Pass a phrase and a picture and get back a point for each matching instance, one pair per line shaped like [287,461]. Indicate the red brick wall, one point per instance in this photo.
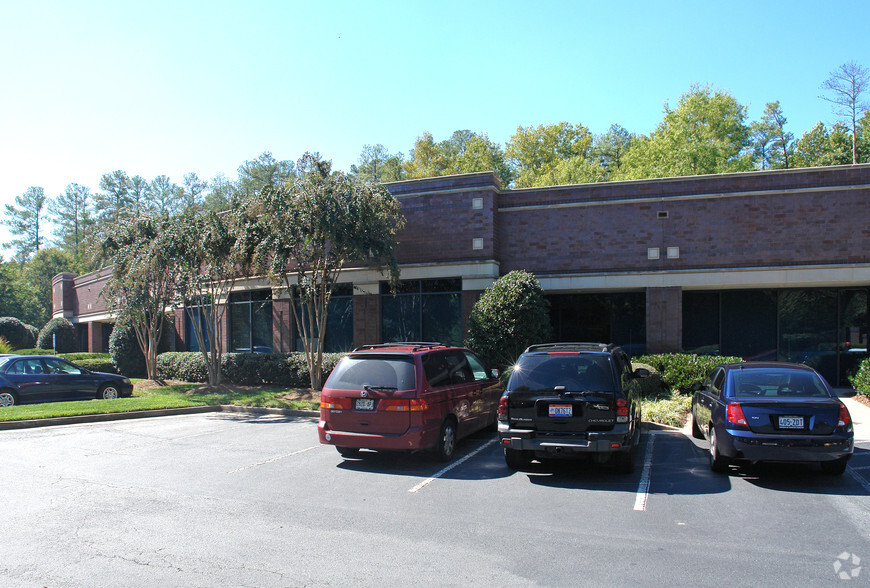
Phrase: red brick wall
[366,320]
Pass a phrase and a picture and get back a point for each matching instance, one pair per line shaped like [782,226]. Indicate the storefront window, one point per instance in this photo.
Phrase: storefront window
[251,321]
[605,318]
[423,310]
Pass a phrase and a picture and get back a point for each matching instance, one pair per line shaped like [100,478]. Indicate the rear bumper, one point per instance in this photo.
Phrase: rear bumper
[550,444]
[413,439]
[738,444]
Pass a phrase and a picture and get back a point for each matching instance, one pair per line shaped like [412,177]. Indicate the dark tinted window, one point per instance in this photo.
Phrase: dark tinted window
[356,371]
[581,372]
[436,369]
[777,383]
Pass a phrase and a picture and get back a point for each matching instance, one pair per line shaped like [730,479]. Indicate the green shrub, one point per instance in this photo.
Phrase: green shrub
[15,332]
[509,316]
[97,365]
[81,355]
[246,369]
[680,371]
[34,334]
[670,410]
[861,380]
[34,351]
[126,353]
[5,347]
[652,387]
[59,335]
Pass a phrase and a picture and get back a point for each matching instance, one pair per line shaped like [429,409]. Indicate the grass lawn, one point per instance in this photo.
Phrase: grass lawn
[175,396]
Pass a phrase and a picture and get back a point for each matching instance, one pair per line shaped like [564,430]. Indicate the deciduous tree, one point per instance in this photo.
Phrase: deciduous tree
[309,230]
[846,87]
[538,154]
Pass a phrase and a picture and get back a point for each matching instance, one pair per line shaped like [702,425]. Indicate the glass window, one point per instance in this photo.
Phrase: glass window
[436,369]
[58,366]
[423,310]
[608,318]
[701,323]
[575,372]
[777,383]
[480,373]
[853,332]
[251,321]
[749,324]
[808,329]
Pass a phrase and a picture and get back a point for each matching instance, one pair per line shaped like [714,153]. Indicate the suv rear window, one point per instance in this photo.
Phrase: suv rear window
[576,372]
[379,371]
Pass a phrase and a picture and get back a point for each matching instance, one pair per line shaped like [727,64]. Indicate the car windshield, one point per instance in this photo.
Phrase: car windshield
[575,372]
[386,373]
[777,383]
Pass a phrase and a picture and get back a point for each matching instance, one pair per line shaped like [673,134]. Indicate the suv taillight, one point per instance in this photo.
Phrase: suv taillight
[845,419]
[503,408]
[332,403]
[734,415]
[621,410]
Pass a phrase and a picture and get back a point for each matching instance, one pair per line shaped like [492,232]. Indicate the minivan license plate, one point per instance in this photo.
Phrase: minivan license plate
[560,410]
[791,422]
[365,404]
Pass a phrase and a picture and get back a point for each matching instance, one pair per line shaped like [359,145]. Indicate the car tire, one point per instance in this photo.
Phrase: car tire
[835,468]
[697,432]
[516,459]
[718,462]
[446,444]
[109,392]
[348,451]
[7,398]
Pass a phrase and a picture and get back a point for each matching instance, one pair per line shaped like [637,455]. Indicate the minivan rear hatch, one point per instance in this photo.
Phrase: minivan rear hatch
[370,393]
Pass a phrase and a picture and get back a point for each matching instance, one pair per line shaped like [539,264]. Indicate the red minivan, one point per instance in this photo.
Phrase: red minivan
[407,396]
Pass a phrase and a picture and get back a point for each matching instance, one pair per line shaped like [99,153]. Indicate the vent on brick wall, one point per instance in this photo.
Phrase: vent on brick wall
[673,252]
[662,214]
[652,253]
[477,203]
[477,243]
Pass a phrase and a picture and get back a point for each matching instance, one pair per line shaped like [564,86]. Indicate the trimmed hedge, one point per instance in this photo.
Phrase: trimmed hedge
[59,335]
[245,369]
[680,371]
[34,333]
[97,365]
[15,332]
[861,380]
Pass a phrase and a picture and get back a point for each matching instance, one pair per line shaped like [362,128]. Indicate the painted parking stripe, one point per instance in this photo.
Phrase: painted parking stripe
[274,459]
[643,485]
[858,478]
[428,481]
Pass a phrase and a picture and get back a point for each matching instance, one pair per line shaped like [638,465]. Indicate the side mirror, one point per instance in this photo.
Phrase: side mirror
[494,373]
[697,387]
[642,373]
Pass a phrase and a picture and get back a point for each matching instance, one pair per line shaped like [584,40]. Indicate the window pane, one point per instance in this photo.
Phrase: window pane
[261,332]
[749,324]
[400,318]
[808,329]
[442,318]
[339,325]
[853,332]
[701,323]
[240,327]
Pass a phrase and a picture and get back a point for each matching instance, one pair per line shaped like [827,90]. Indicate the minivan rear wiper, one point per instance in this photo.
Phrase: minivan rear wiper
[369,388]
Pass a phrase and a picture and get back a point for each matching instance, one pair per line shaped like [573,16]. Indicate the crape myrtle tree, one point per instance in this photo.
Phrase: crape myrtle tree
[142,285]
[307,230]
[211,255]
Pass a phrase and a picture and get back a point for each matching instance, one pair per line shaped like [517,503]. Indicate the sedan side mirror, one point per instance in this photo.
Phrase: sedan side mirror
[494,372]
[642,373]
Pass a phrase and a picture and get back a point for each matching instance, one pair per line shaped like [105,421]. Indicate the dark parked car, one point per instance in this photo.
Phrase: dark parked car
[407,396]
[779,412]
[567,400]
[45,378]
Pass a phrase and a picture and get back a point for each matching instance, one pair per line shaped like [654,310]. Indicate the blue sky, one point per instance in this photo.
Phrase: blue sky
[172,87]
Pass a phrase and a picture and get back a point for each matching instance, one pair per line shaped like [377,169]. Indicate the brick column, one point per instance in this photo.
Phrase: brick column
[282,321]
[664,320]
[95,337]
[469,298]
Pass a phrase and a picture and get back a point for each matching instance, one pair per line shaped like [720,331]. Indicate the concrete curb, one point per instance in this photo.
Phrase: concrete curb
[141,414]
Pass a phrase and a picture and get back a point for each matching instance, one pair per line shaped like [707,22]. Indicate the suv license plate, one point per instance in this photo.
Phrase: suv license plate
[791,422]
[364,404]
[560,410]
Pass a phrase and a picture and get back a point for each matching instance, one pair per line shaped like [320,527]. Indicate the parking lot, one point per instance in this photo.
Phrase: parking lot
[248,500]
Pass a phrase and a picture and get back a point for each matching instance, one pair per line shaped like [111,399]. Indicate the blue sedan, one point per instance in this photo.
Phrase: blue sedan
[771,412]
[45,378]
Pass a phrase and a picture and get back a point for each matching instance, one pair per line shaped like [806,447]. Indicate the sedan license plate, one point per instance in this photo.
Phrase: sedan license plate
[364,404]
[791,422]
[560,410]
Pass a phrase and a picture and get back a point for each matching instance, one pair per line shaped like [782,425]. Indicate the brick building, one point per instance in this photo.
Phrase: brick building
[772,265]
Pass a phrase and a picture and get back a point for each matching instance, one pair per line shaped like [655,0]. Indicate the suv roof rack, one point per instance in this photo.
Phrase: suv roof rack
[580,346]
[417,345]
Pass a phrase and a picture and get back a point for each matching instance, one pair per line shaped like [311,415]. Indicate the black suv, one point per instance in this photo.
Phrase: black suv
[566,400]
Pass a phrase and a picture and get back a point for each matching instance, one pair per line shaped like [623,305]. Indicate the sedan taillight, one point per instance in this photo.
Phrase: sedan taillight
[735,416]
[845,418]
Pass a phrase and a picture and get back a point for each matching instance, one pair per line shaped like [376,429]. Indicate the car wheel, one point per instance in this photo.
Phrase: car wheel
[446,445]
[7,398]
[348,451]
[108,392]
[718,462]
[697,432]
[835,468]
[517,459]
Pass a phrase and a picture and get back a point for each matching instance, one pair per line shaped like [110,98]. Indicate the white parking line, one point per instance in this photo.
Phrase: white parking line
[274,459]
[858,478]
[428,481]
[643,486]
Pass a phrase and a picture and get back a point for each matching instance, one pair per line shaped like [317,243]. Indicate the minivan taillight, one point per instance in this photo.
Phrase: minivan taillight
[503,408]
[402,405]
[734,415]
[332,403]
[845,419]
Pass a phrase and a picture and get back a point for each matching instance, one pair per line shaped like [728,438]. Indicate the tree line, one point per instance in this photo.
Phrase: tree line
[706,132]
